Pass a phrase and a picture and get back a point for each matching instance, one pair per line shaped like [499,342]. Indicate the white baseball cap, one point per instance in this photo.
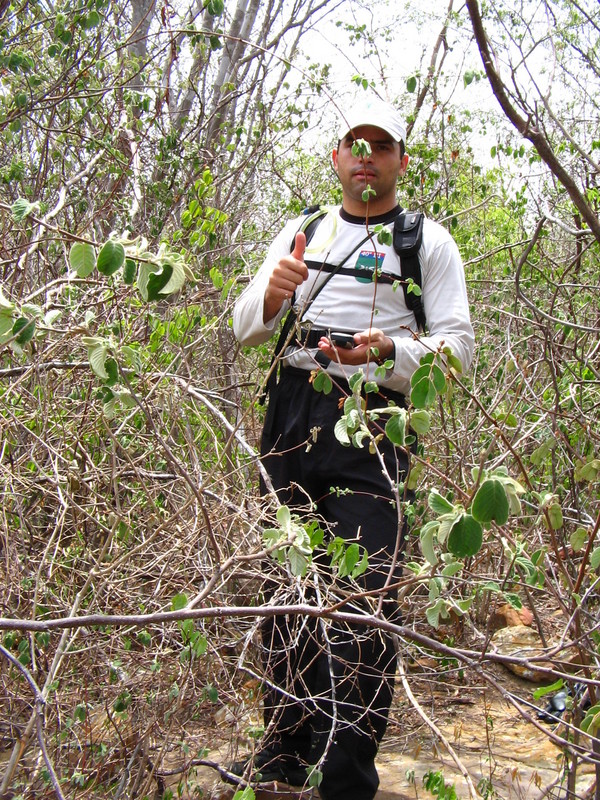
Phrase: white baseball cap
[373,112]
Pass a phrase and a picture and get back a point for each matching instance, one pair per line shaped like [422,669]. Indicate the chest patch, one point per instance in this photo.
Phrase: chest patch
[366,264]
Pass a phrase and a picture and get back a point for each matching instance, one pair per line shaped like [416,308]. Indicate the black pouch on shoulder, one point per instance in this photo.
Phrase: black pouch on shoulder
[408,232]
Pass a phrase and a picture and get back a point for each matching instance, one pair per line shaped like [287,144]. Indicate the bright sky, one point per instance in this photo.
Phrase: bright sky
[401,46]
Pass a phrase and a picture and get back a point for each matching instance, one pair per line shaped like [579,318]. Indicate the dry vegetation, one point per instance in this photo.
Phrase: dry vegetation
[131,550]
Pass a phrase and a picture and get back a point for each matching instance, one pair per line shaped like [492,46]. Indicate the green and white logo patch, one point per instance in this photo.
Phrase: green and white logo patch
[366,264]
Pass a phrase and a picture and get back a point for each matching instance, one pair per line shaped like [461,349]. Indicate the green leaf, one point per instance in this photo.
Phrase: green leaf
[491,503]
[341,432]
[6,306]
[244,794]
[421,373]
[454,362]
[514,600]
[359,436]
[91,20]
[199,644]
[178,602]
[157,281]
[112,370]
[438,378]
[284,517]
[362,565]
[97,356]
[298,562]
[555,517]
[22,208]
[427,538]
[31,309]
[110,257]
[595,558]
[216,277]
[315,776]
[423,393]
[179,273]
[578,539]
[82,258]
[411,84]
[129,271]
[355,382]
[145,270]
[491,586]
[420,421]
[413,288]
[434,612]
[23,330]
[542,691]
[123,701]
[6,326]
[92,341]
[466,537]
[587,471]
[214,7]
[452,569]
[446,522]
[144,638]
[395,429]
[322,382]
[213,695]
[384,234]
[416,471]
[438,504]
[361,147]
[349,560]
[540,453]
[591,721]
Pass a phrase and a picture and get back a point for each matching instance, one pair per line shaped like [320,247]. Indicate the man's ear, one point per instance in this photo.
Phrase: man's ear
[334,158]
[403,165]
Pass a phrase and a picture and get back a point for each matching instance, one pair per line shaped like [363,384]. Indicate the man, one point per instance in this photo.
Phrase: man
[330,686]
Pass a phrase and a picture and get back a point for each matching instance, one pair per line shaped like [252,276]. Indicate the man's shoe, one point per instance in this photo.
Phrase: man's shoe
[267,766]
[295,773]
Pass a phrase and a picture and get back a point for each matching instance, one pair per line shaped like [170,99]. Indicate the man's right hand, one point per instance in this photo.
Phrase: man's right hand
[289,273]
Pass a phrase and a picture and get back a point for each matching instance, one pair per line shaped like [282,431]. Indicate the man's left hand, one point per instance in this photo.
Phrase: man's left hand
[365,342]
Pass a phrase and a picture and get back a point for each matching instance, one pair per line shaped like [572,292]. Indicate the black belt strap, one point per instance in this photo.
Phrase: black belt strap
[366,275]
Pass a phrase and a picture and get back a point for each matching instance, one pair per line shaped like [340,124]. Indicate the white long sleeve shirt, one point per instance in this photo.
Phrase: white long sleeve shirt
[353,302]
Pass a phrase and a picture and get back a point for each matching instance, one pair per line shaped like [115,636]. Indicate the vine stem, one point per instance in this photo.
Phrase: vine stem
[37,719]
[434,728]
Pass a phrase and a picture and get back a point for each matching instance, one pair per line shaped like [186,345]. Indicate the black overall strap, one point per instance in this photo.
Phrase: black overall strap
[408,234]
[292,317]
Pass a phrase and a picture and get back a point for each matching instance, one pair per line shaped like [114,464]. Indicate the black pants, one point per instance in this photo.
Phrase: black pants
[334,682]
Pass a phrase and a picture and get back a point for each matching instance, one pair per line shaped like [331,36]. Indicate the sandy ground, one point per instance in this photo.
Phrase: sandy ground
[505,756]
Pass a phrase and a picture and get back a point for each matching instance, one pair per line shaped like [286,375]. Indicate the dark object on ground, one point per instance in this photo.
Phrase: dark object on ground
[558,703]
[267,766]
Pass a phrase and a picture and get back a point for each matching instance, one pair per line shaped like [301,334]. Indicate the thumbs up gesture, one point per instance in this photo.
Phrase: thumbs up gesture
[299,246]
[289,273]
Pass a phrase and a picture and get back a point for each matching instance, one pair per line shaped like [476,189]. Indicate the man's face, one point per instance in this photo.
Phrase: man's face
[380,170]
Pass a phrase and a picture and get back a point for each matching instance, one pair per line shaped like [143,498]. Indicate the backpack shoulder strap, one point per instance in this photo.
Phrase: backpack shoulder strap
[313,216]
[408,234]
